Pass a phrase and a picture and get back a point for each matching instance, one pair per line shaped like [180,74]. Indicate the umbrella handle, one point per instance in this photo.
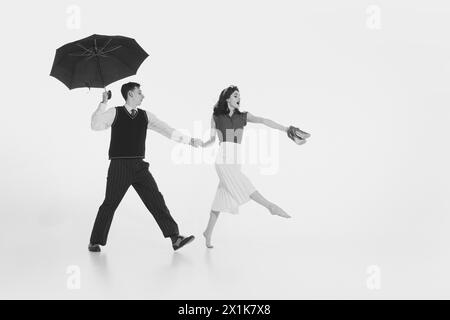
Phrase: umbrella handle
[101,74]
[109,93]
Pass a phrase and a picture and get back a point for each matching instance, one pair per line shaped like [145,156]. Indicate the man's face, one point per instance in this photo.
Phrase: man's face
[136,96]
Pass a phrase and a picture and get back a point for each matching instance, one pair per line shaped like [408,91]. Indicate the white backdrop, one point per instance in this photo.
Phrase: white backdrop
[368,192]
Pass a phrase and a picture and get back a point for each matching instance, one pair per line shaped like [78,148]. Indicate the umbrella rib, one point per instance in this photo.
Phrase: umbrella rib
[112,49]
[101,49]
[95,55]
[87,52]
[83,54]
[84,48]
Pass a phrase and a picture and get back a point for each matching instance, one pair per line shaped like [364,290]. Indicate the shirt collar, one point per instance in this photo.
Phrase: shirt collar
[129,108]
[232,115]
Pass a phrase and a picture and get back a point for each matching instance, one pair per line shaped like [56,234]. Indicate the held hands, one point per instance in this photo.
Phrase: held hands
[196,142]
[199,143]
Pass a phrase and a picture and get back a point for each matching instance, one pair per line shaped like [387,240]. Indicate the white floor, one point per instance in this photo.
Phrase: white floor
[246,263]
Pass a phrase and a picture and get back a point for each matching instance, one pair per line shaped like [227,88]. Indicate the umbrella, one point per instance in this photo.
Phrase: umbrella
[97,61]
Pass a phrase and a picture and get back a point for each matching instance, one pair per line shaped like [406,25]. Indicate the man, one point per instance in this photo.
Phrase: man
[129,126]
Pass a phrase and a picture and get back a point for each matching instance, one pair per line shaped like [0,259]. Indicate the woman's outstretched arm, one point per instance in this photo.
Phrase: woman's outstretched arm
[267,122]
[212,135]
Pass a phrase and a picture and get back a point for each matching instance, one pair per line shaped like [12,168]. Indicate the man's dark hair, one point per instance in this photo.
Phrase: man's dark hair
[127,87]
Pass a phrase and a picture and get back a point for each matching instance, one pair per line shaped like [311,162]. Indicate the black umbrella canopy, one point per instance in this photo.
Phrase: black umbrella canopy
[97,61]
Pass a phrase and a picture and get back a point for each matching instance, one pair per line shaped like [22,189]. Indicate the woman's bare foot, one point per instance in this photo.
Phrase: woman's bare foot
[276,210]
[208,240]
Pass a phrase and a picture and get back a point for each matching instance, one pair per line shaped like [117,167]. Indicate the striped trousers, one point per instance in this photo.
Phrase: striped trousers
[121,174]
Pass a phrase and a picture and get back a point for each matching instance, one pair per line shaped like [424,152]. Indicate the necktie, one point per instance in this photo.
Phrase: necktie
[133,112]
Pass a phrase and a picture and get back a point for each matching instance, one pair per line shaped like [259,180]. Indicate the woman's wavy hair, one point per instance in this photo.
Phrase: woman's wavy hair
[221,106]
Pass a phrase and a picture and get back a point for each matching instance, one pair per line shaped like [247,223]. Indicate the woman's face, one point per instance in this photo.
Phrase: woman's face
[234,100]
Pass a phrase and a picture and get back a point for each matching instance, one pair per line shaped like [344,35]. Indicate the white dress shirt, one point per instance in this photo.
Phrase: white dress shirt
[102,119]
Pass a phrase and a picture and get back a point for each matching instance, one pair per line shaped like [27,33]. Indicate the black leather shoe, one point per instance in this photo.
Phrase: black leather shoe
[181,241]
[94,247]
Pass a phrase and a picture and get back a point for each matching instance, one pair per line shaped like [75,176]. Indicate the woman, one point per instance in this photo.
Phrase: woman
[234,187]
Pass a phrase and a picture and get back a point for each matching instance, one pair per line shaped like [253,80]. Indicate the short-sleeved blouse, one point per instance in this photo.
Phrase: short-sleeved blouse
[231,129]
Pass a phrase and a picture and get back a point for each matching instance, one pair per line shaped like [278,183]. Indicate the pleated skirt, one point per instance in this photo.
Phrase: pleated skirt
[234,188]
